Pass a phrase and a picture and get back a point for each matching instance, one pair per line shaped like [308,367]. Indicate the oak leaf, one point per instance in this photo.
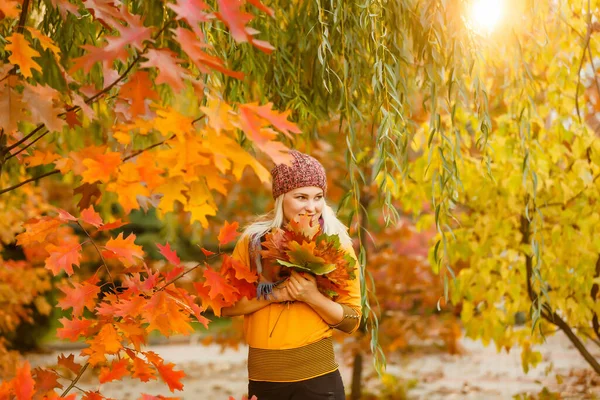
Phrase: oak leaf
[116,371]
[36,230]
[192,11]
[46,380]
[22,54]
[219,114]
[167,63]
[171,377]
[45,41]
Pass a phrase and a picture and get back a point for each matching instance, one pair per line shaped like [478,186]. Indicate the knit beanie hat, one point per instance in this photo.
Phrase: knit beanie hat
[304,171]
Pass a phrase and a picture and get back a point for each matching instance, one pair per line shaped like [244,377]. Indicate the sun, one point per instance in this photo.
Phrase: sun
[485,15]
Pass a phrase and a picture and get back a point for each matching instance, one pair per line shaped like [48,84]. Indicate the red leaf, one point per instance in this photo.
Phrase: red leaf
[241,270]
[234,18]
[170,72]
[72,119]
[228,233]
[92,396]
[90,216]
[125,249]
[172,378]
[116,371]
[169,254]
[69,362]
[174,273]
[23,383]
[63,258]
[142,370]
[72,329]
[78,297]
[207,253]
[65,216]
[219,286]
[191,11]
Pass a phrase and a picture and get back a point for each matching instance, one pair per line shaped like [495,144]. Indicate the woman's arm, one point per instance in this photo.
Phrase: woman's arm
[248,306]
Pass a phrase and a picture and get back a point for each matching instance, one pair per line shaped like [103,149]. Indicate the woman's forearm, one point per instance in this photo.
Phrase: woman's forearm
[245,306]
[329,310]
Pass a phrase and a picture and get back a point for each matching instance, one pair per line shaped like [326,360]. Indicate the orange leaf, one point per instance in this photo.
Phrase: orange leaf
[90,216]
[36,230]
[65,216]
[92,396]
[125,249]
[169,254]
[78,297]
[63,258]
[8,9]
[172,378]
[241,270]
[278,120]
[101,167]
[40,158]
[116,371]
[72,329]
[228,233]
[45,41]
[138,89]
[191,11]
[69,362]
[23,383]
[207,253]
[22,54]
[113,225]
[46,380]
[219,286]
[142,370]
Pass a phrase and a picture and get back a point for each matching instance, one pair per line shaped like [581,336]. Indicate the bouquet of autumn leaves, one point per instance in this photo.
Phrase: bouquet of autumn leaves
[303,246]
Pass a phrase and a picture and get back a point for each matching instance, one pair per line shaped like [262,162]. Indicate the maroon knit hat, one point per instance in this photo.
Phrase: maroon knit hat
[304,171]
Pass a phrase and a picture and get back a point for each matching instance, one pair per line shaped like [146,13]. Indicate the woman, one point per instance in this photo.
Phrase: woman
[289,332]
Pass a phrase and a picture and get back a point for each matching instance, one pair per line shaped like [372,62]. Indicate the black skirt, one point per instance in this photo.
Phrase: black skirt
[325,387]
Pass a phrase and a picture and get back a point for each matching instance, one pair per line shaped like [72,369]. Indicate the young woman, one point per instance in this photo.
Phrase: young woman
[289,330]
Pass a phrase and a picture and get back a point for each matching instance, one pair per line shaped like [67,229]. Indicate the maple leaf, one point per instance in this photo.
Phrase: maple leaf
[64,6]
[63,258]
[215,304]
[107,341]
[234,18]
[169,253]
[40,100]
[46,380]
[40,158]
[90,216]
[69,362]
[72,119]
[88,192]
[125,249]
[228,233]
[167,63]
[219,114]
[22,54]
[11,104]
[101,167]
[23,383]
[191,11]
[133,332]
[112,225]
[172,191]
[78,297]
[65,216]
[219,286]
[137,90]
[142,370]
[159,397]
[45,41]
[278,120]
[8,9]
[106,11]
[74,328]
[36,230]
[171,377]
[92,396]
[240,270]
[116,371]
[163,313]
[207,253]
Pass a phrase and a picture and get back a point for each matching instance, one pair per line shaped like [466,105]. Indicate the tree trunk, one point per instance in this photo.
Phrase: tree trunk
[357,376]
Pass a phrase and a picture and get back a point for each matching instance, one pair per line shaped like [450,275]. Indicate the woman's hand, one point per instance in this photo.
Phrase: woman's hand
[281,294]
[302,287]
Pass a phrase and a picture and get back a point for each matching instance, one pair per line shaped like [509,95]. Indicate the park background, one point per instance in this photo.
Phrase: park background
[460,140]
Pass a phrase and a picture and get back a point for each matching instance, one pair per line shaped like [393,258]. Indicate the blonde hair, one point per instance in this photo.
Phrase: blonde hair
[275,219]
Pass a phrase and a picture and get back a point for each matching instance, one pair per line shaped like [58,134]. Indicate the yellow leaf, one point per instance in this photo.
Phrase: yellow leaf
[22,54]
[45,41]
[219,115]
[172,191]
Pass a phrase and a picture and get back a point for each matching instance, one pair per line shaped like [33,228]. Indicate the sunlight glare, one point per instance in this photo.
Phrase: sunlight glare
[486,14]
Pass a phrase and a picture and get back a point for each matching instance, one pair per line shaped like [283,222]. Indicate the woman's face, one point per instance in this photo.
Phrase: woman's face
[303,201]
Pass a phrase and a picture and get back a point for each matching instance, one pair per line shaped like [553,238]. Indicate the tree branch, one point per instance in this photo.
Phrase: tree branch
[72,385]
[23,16]
[35,178]
[26,147]
[594,293]
[136,153]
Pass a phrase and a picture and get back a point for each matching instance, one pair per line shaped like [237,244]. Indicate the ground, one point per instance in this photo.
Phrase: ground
[479,373]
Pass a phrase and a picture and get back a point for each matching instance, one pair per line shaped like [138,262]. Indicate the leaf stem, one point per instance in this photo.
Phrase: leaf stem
[74,382]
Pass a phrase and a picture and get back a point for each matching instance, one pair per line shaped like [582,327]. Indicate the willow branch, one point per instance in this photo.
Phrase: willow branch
[35,178]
